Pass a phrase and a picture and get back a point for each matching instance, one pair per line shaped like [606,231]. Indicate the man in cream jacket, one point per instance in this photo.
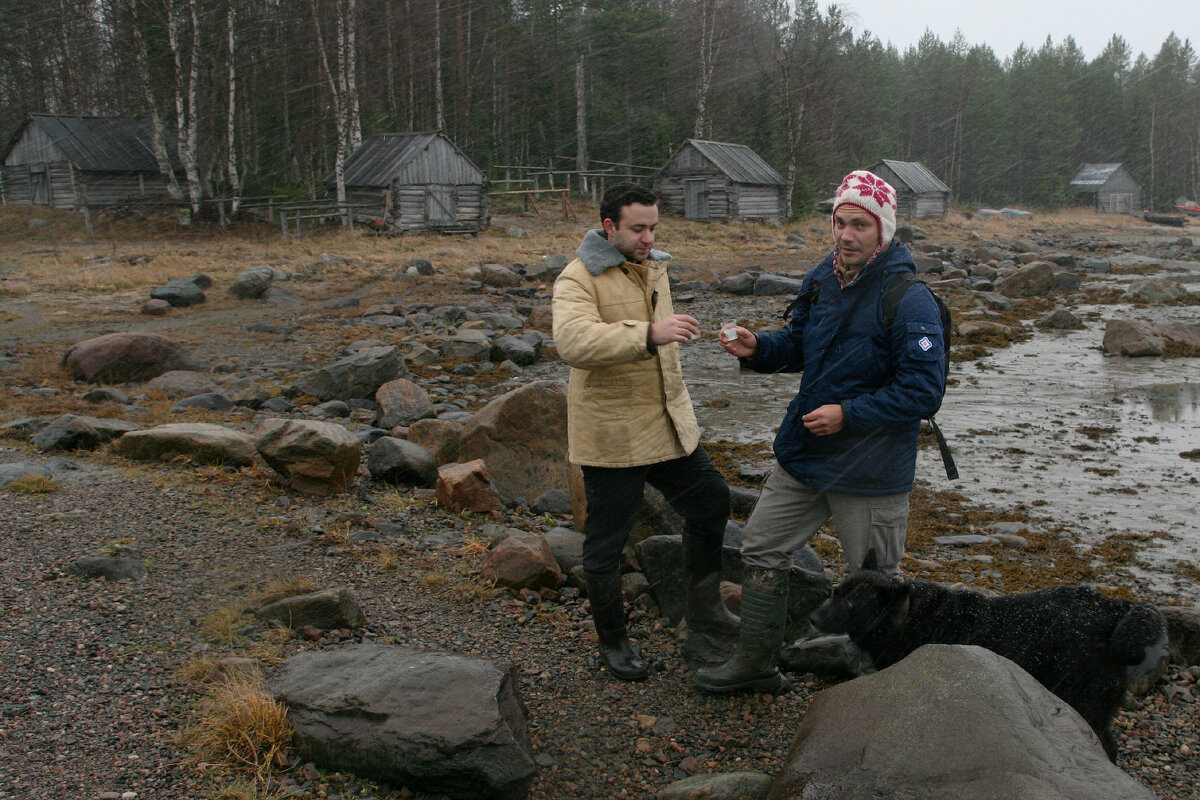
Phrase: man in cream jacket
[630,420]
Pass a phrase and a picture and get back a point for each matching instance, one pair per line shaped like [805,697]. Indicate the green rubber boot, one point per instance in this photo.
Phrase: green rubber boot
[755,665]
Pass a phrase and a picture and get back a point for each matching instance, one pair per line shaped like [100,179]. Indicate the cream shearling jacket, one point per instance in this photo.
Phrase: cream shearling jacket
[626,406]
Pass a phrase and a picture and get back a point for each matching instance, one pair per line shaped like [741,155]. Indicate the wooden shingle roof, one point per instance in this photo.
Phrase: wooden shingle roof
[96,144]
[739,162]
[915,176]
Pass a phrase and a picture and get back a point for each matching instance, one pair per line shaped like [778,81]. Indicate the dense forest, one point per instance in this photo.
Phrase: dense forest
[265,96]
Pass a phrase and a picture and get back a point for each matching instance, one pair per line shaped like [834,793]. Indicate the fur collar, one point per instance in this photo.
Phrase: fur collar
[598,254]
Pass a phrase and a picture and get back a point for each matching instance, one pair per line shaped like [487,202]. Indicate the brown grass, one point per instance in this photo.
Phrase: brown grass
[240,725]
[282,588]
[32,484]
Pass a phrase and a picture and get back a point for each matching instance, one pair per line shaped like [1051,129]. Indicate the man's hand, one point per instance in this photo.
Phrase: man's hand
[743,346]
[825,420]
[675,328]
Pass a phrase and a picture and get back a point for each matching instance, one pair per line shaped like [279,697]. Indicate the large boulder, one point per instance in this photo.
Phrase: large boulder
[126,357]
[401,402]
[522,437]
[252,283]
[357,376]
[1157,290]
[318,458]
[948,721]
[1033,280]
[202,442]
[432,722]
[179,293]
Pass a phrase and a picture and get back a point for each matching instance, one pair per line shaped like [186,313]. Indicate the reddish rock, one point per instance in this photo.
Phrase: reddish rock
[1127,337]
[522,561]
[466,487]
[522,435]
[126,357]
[541,317]
[401,402]
[156,307]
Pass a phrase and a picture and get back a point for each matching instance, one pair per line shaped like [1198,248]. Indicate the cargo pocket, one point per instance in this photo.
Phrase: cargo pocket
[889,524]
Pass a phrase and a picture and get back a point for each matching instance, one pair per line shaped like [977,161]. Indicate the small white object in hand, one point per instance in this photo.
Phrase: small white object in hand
[729,331]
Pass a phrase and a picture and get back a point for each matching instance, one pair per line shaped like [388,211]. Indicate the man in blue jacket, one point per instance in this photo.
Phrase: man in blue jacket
[847,447]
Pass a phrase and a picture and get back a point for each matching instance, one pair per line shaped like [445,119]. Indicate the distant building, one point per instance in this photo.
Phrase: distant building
[720,181]
[419,182]
[919,193]
[1107,187]
[73,162]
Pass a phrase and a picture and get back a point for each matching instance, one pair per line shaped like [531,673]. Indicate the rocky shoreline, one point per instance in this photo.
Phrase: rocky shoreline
[96,665]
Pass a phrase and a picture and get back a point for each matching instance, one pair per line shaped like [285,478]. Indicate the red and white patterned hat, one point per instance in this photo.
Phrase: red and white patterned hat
[874,195]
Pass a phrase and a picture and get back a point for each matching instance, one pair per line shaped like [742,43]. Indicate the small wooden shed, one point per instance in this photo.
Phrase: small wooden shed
[720,181]
[919,193]
[419,181]
[1107,187]
[74,162]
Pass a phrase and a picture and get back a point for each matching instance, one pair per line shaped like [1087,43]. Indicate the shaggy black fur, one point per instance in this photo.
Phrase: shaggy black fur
[1078,643]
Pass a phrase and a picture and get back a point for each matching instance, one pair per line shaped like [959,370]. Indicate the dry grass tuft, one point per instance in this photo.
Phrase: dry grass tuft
[282,588]
[241,725]
[33,484]
[221,626]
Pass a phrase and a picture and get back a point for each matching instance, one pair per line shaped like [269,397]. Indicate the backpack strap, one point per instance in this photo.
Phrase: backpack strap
[891,306]
[807,297]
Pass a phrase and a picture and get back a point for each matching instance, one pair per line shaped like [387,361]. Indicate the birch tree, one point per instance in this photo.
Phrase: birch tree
[141,56]
[235,183]
[187,115]
[343,86]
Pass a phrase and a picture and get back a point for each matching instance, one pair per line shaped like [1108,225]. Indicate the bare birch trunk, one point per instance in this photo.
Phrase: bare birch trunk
[185,99]
[710,48]
[235,181]
[412,67]
[438,101]
[339,103]
[581,151]
[350,69]
[159,129]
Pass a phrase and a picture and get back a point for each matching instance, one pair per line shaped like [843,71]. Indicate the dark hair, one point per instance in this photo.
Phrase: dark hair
[621,195]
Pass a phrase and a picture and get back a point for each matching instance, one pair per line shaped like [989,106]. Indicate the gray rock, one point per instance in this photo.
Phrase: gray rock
[516,349]
[106,394]
[740,284]
[566,545]
[108,568]
[1060,319]
[1157,291]
[1099,266]
[401,402]
[431,722]
[252,283]
[398,461]
[327,609]
[202,442]
[768,285]
[473,345]
[274,296]
[278,405]
[180,292]
[552,501]
[25,427]
[422,266]
[1132,338]
[209,401]
[181,383]
[499,275]
[73,432]
[948,721]
[359,375]
[318,458]
[156,308]
[331,409]
[21,469]
[1033,280]
[718,786]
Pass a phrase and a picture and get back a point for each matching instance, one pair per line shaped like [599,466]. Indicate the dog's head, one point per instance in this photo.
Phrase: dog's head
[862,603]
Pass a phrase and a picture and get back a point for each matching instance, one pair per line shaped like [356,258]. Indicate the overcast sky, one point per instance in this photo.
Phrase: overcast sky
[1005,24]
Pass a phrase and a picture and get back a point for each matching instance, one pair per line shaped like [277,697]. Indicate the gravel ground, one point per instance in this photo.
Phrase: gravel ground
[92,695]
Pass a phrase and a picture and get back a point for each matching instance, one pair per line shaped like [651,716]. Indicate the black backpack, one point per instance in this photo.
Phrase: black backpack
[891,305]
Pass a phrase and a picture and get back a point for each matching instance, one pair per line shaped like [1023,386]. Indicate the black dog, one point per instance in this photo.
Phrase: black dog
[1078,643]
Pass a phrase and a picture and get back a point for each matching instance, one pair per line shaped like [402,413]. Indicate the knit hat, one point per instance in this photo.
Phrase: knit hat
[874,195]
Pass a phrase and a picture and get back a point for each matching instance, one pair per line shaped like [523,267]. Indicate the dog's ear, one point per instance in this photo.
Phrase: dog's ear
[870,560]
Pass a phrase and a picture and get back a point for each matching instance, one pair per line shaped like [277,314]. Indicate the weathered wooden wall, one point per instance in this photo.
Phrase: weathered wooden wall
[60,185]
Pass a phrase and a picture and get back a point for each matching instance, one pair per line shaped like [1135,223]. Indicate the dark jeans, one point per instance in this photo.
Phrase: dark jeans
[692,485]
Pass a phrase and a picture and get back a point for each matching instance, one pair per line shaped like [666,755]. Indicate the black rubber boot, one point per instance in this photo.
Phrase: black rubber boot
[755,665]
[608,612]
[706,611]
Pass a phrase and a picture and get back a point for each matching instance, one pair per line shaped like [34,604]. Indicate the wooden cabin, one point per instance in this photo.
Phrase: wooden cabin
[419,182]
[919,193]
[76,162]
[720,181]
[1108,188]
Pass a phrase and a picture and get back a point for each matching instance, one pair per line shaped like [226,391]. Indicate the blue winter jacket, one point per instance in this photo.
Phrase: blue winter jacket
[886,381]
